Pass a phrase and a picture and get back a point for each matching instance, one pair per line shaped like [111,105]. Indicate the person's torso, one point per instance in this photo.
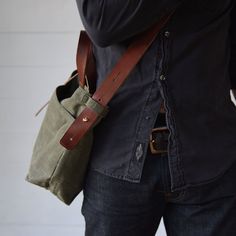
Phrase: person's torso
[187,67]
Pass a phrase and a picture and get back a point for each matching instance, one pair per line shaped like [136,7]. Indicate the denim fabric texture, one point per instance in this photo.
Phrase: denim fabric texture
[190,65]
[119,208]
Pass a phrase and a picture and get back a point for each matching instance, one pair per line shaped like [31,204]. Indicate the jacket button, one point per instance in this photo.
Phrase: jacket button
[167,34]
[162,77]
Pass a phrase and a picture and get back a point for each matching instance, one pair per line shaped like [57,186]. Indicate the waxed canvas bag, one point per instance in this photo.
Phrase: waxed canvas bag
[52,165]
[61,150]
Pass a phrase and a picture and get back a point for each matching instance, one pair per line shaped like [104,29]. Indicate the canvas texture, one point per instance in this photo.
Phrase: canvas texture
[52,166]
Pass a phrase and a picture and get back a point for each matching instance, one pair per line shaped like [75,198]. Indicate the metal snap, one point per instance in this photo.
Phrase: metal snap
[162,77]
[85,119]
[167,34]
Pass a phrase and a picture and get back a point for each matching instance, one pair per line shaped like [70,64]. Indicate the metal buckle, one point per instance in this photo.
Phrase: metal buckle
[153,140]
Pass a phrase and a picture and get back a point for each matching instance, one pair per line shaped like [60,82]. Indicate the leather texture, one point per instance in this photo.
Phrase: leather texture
[111,84]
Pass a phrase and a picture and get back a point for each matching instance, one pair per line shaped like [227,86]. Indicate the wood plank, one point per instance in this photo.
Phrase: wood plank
[24,83]
[18,116]
[50,50]
[39,230]
[39,16]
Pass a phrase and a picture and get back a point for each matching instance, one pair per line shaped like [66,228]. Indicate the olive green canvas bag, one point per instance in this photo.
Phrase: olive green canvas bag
[62,147]
[53,166]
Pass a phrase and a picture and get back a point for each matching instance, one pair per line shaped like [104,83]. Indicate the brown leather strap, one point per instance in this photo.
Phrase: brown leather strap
[126,63]
[111,84]
[84,51]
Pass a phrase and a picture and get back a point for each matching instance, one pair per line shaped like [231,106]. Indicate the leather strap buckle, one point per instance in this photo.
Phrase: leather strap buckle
[158,142]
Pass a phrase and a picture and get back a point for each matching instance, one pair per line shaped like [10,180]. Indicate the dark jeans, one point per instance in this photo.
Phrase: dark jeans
[113,207]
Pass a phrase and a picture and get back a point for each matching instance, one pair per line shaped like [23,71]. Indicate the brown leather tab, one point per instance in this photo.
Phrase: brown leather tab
[112,82]
[80,126]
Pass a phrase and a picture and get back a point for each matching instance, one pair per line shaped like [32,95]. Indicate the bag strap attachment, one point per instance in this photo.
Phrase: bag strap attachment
[85,62]
[111,84]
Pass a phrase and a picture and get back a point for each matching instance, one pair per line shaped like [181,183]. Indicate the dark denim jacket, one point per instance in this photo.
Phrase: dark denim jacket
[191,65]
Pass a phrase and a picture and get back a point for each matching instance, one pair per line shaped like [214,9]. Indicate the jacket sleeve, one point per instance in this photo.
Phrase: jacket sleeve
[111,21]
[232,68]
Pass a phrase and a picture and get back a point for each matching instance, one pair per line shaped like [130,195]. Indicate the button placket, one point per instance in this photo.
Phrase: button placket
[167,34]
[162,77]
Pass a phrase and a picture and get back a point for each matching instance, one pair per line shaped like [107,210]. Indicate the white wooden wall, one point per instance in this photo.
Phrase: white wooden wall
[38,42]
